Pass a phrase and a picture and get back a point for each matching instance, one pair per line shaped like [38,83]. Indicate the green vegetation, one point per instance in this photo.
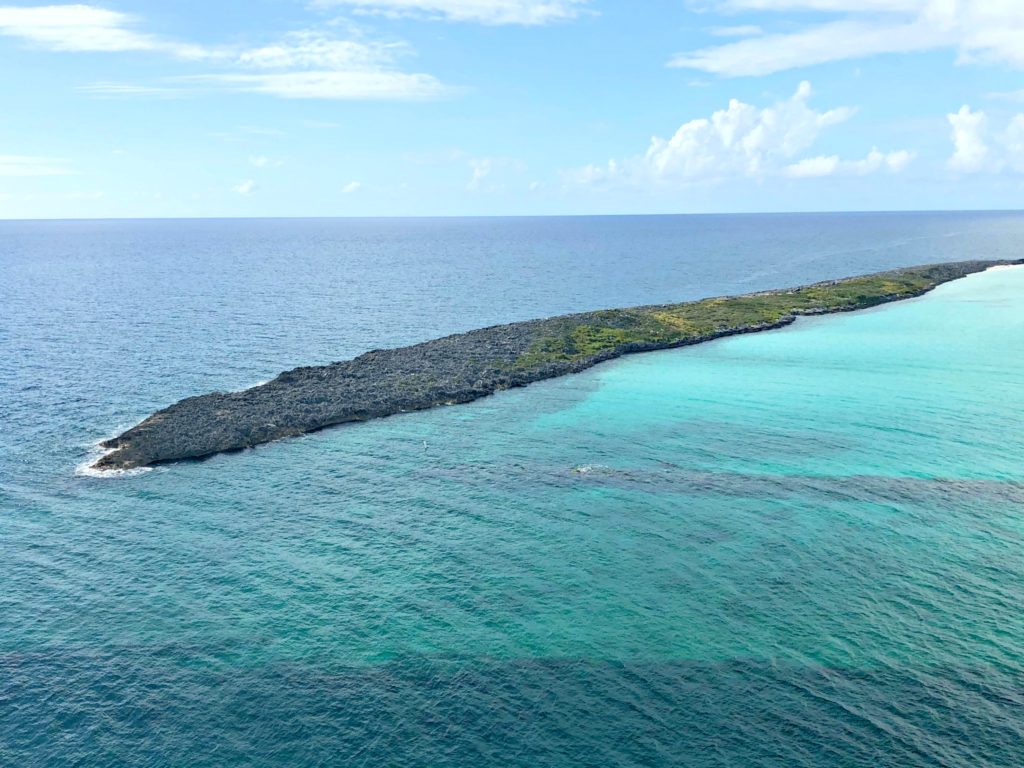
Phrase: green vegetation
[580,337]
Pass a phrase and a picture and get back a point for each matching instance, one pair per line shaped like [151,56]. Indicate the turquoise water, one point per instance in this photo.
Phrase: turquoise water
[795,548]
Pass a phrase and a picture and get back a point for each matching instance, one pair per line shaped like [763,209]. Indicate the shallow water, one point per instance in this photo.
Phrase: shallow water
[796,548]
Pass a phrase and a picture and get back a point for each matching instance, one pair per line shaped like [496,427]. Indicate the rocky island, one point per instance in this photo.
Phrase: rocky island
[467,366]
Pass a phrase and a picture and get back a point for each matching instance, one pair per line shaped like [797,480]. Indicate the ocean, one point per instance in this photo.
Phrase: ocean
[797,548]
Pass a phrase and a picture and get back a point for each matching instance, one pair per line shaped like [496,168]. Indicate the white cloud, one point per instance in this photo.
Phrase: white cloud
[262,161]
[742,138]
[314,50]
[1013,141]
[352,186]
[246,187]
[522,12]
[24,165]
[978,148]
[313,65]
[303,65]
[481,168]
[978,30]
[894,162]
[741,30]
[813,167]
[493,173]
[970,150]
[891,6]
[364,86]
[86,28]
[73,28]
[832,165]
[741,141]
[112,89]
[828,42]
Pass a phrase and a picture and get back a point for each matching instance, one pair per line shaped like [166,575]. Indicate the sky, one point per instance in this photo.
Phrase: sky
[135,108]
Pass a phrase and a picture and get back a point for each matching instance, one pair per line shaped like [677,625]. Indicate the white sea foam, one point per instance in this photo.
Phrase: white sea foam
[1004,266]
[96,451]
[586,469]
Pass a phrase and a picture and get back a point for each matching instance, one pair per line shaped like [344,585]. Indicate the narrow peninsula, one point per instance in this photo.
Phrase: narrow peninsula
[467,366]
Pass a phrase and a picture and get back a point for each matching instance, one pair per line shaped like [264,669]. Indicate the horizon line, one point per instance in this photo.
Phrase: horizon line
[57,219]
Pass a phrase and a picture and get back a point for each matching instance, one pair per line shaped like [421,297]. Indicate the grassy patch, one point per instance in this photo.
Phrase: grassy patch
[612,331]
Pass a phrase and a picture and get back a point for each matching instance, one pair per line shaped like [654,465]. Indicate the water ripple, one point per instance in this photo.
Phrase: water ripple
[797,549]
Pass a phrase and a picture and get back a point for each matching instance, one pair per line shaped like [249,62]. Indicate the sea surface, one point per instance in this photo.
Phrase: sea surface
[796,548]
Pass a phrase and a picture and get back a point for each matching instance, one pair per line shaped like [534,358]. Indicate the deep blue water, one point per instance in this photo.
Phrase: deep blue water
[800,548]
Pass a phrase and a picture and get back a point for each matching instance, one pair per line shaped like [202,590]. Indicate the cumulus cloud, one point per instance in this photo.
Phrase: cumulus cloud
[970,150]
[494,12]
[1013,141]
[978,30]
[352,186]
[894,162]
[742,138]
[832,165]
[246,187]
[813,167]
[978,147]
[746,141]
[26,165]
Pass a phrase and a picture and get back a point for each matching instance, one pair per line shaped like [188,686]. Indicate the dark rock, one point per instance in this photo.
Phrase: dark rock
[454,369]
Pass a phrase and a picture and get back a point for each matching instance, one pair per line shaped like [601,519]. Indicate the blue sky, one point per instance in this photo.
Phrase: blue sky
[475,107]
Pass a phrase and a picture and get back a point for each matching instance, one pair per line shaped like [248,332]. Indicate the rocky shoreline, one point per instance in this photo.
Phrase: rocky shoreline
[468,366]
